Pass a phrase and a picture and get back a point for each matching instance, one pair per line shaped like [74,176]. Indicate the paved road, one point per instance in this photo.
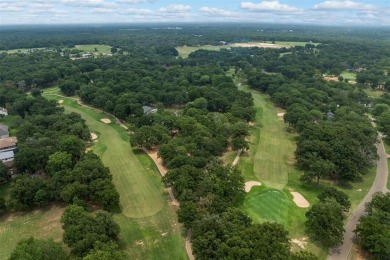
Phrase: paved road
[342,252]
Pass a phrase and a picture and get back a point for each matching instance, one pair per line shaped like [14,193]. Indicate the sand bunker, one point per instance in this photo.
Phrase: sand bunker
[300,242]
[158,161]
[105,120]
[93,136]
[281,114]
[299,200]
[250,184]
[60,101]
[329,78]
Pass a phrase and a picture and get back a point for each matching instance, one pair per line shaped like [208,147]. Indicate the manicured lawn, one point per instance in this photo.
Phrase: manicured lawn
[149,228]
[91,48]
[271,147]
[270,160]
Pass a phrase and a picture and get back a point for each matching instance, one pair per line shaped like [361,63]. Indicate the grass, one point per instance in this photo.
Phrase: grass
[103,49]
[149,229]
[271,161]
[23,50]
[184,51]
[351,76]
[271,147]
[41,223]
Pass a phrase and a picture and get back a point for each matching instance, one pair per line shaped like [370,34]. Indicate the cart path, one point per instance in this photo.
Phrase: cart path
[342,252]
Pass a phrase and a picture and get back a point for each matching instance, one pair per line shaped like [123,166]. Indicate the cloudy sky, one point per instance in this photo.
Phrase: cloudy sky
[325,12]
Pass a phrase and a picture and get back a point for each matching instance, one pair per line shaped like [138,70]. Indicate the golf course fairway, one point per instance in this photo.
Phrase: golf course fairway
[149,229]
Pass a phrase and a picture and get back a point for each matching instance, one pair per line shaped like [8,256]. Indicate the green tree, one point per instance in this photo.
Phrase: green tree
[325,222]
[59,161]
[3,172]
[341,197]
[373,229]
[32,249]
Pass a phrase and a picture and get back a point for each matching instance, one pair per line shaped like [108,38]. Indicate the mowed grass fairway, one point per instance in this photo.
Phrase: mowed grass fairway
[149,229]
[270,160]
[271,148]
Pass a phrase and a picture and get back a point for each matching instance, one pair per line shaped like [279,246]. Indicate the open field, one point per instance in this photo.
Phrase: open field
[103,49]
[271,153]
[26,50]
[184,51]
[351,76]
[41,223]
[149,229]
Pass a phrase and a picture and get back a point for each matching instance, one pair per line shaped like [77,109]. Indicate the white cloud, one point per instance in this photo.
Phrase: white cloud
[268,6]
[176,9]
[217,12]
[132,1]
[343,5]
[137,11]
[88,3]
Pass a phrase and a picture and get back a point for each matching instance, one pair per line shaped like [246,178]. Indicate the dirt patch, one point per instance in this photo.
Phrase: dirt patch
[299,200]
[158,161]
[256,44]
[251,123]
[93,136]
[139,243]
[105,120]
[60,101]
[237,159]
[250,184]
[328,78]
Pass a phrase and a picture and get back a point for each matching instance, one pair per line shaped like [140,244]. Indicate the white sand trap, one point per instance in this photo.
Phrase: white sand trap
[93,136]
[105,120]
[251,123]
[281,114]
[60,101]
[299,200]
[250,184]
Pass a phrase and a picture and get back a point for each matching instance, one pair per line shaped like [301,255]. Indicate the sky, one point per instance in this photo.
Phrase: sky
[321,12]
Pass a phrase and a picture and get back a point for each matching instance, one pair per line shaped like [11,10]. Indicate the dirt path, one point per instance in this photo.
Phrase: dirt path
[342,252]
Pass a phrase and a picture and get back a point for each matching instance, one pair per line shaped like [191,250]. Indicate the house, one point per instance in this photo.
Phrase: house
[3,111]
[148,109]
[7,148]
[330,115]
[3,131]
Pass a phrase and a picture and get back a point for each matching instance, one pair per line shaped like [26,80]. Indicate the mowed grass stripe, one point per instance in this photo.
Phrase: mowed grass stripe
[139,194]
[274,149]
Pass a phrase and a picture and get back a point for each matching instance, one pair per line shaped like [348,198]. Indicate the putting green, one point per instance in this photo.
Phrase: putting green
[271,150]
[263,204]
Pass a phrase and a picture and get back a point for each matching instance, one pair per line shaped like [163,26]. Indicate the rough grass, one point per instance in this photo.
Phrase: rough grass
[23,50]
[104,49]
[41,223]
[351,76]
[149,229]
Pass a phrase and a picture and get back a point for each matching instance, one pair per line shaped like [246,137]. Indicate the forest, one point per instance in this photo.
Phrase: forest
[200,115]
